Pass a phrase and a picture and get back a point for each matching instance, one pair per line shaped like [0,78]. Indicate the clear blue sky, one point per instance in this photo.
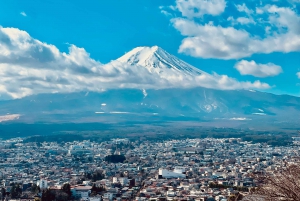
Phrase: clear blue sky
[108,29]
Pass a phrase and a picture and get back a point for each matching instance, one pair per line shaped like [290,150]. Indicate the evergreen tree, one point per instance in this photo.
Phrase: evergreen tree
[16,191]
[3,193]
[67,189]
[35,189]
[48,195]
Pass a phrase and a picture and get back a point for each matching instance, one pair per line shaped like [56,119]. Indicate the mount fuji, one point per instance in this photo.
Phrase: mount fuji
[171,102]
[157,60]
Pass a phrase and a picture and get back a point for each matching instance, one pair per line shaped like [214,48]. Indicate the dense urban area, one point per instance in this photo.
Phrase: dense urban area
[204,169]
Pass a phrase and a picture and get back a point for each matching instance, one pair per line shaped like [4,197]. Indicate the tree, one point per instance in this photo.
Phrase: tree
[35,189]
[95,176]
[115,158]
[283,185]
[235,197]
[3,193]
[94,190]
[57,195]
[66,188]
[61,196]
[16,191]
[48,195]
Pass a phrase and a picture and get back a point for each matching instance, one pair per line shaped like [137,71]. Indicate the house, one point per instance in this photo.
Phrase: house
[108,196]
[81,191]
[163,173]
[122,180]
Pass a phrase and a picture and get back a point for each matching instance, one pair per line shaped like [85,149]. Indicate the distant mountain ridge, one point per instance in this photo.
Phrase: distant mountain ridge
[197,103]
[148,105]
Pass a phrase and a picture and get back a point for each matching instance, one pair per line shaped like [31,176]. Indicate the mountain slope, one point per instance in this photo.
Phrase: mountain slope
[140,105]
[157,60]
[197,103]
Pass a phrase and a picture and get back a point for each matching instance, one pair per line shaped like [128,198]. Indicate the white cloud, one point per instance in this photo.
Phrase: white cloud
[210,40]
[259,11]
[23,13]
[166,13]
[244,8]
[245,20]
[241,20]
[163,10]
[294,1]
[29,66]
[298,75]
[257,70]
[227,83]
[198,8]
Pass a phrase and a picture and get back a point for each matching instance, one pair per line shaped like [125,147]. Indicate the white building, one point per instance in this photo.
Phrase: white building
[94,199]
[115,180]
[177,173]
[119,141]
[180,170]
[108,196]
[43,184]
[81,191]
[122,180]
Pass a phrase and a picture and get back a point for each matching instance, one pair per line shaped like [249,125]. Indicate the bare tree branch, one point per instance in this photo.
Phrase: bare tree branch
[282,185]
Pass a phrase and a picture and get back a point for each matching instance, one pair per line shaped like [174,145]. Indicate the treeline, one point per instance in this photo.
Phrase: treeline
[274,140]
[270,139]
[64,194]
[115,158]
[99,133]
[96,190]
[16,191]
[11,130]
[95,176]
[55,138]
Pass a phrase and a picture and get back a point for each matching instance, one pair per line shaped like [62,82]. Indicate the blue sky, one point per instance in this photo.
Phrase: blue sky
[245,40]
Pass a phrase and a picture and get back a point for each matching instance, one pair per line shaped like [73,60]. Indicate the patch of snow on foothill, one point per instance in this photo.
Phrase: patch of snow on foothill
[145,93]
[259,113]
[9,117]
[239,119]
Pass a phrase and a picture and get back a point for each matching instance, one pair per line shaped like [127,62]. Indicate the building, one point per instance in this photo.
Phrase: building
[122,180]
[177,173]
[81,191]
[43,184]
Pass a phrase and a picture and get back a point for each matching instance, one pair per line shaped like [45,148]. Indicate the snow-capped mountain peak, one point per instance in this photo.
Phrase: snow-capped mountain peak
[155,59]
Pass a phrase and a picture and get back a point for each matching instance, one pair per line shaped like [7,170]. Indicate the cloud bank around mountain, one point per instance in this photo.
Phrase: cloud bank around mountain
[29,66]
[264,28]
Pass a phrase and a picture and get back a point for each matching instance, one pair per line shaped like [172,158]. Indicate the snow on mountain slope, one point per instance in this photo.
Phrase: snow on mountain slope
[157,60]
[173,72]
